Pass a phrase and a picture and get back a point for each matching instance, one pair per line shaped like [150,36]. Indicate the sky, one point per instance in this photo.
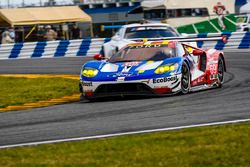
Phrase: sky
[29,2]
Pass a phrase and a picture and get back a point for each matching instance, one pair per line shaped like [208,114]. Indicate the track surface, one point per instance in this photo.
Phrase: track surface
[231,102]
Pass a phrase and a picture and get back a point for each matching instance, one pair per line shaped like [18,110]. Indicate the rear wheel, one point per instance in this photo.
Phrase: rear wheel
[221,71]
[185,79]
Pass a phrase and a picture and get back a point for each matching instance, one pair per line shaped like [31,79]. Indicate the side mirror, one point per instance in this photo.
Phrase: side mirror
[99,57]
[197,52]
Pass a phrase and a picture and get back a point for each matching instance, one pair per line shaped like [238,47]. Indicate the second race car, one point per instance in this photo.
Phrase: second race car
[132,32]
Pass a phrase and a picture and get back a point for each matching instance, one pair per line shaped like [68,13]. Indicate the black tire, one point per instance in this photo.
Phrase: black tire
[246,29]
[221,72]
[185,78]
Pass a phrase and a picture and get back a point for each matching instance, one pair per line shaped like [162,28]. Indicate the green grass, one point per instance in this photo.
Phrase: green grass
[17,91]
[217,146]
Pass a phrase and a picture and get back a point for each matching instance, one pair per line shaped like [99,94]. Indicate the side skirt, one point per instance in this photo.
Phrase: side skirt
[204,87]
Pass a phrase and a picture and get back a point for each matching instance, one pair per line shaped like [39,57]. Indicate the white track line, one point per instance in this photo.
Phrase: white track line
[214,27]
[195,29]
[231,21]
[122,134]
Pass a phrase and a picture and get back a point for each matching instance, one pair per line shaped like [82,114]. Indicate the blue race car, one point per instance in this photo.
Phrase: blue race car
[152,68]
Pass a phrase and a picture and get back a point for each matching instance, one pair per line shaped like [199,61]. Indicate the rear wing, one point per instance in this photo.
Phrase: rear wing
[183,39]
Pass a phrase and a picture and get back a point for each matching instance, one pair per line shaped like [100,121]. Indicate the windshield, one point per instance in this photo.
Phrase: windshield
[140,53]
[149,32]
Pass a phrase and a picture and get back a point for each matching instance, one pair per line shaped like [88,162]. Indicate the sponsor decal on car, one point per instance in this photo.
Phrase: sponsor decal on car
[87,84]
[213,62]
[126,69]
[213,68]
[121,79]
[133,63]
[198,81]
[122,74]
[165,79]
[213,76]
[146,46]
[201,79]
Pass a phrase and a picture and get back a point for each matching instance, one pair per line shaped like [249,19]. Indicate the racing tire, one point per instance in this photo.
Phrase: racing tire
[221,72]
[185,78]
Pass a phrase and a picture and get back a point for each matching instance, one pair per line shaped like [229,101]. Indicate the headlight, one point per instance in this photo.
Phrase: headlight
[89,72]
[166,68]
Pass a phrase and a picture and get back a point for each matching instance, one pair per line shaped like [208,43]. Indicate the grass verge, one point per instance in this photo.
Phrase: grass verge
[20,90]
[215,146]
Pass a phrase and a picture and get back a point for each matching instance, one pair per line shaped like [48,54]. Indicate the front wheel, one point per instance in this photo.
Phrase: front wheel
[185,79]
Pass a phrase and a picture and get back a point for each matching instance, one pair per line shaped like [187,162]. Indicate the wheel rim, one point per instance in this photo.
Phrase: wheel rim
[221,71]
[185,78]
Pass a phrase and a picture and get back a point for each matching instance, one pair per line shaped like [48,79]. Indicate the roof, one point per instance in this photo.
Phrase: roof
[110,10]
[42,15]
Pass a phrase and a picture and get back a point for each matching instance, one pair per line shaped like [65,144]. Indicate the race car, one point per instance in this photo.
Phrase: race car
[132,32]
[153,68]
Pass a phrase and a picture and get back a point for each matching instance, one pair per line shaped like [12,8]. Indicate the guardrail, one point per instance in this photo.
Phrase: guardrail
[90,47]
[64,48]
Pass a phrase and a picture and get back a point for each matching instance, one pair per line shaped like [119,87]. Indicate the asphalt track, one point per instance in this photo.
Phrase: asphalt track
[232,102]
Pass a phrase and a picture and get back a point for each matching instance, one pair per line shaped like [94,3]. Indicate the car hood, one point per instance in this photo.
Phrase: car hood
[128,71]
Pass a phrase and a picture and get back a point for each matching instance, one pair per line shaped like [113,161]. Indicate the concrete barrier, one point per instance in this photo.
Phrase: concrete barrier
[90,47]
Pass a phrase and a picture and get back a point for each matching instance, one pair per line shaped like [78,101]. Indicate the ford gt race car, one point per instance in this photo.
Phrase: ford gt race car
[153,68]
